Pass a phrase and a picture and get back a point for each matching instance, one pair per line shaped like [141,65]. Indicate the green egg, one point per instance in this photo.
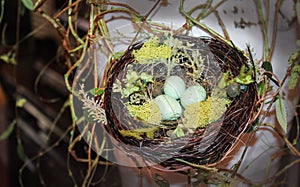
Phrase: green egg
[170,108]
[193,94]
[174,87]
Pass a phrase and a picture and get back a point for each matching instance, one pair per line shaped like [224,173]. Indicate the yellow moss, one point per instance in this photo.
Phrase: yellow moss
[130,133]
[202,113]
[150,132]
[137,133]
[148,112]
[152,50]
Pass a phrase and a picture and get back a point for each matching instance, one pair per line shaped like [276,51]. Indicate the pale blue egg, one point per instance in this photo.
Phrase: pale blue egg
[169,107]
[174,87]
[193,94]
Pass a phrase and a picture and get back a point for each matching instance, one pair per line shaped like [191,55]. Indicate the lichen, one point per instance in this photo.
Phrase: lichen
[152,50]
[194,61]
[196,64]
[202,113]
[131,133]
[148,112]
[137,133]
[133,83]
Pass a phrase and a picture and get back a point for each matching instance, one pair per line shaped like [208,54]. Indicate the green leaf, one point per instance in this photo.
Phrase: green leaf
[261,87]
[178,131]
[8,131]
[146,78]
[20,151]
[268,67]
[281,114]
[97,91]
[245,76]
[245,80]
[20,102]
[127,91]
[9,58]
[28,4]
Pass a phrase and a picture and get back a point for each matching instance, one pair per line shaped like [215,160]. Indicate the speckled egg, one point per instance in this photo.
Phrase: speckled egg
[192,95]
[174,87]
[169,107]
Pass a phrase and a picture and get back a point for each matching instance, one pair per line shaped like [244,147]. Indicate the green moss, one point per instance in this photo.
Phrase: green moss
[137,133]
[245,77]
[150,134]
[148,112]
[131,133]
[202,113]
[152,50]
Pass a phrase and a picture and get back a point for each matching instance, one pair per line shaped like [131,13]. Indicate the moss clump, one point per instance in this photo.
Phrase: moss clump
[132,134]
[148,112]
[137,133]
[152,50]
[202,113]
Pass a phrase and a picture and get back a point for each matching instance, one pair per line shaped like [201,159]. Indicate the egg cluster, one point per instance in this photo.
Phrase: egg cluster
[176,97]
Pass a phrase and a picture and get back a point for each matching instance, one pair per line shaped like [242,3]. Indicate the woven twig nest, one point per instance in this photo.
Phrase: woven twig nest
[135,80]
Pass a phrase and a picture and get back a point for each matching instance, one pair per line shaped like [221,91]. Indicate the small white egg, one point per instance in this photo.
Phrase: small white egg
[174,87]
[170,108]
[193,94]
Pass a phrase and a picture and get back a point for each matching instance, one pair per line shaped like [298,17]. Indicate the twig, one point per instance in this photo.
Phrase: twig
[264,29]
[274,36]
[202,26]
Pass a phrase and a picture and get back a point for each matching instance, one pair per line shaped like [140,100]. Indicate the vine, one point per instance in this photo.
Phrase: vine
[76,46]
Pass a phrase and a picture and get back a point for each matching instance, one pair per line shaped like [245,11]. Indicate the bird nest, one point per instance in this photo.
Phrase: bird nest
[180,98]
